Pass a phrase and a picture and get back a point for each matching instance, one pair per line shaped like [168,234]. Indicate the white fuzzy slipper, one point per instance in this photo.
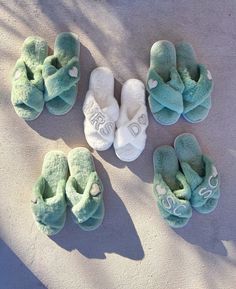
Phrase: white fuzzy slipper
[130,137]
[101,109]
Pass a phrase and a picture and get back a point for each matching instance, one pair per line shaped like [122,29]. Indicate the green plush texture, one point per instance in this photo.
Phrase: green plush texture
[200,173]
[87,208]
[165,99]
[49,202]
[170,188]
[61,87]
[27,95]
[198,85]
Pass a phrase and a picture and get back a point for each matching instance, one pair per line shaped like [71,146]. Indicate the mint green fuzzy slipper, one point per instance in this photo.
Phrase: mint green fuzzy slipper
[164,84]
[49,203]
[61,73]
[170,188]
[200,173]
[84,190]
[198,84]
[27,94]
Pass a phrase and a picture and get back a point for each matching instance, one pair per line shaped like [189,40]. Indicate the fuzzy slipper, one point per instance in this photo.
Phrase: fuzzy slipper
[61,73]
[27,94]
[170,188]
[130,136]
[164,84]
[84,190]
[101,109]
[49,203]
[200,173]
[198,84]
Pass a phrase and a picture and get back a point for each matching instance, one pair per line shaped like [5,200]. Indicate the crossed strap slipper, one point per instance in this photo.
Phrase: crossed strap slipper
[100,109]
[27,95]
[198,84]
[130,136]
[84,190]
[61,73]
[164,84]
[170,188]
[200,173]
[49,203]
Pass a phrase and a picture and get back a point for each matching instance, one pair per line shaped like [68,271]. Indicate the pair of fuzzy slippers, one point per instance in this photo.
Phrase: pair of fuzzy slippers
[105,124]
[82,191]
[178,84]
[40,79]
[196,186]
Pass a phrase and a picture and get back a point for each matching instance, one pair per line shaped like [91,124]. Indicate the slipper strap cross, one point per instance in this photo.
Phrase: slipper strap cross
[196,92]
[26,88]
[99,120]
[132,131]
[203,189]
[165,95]
[49,212]
[59,81]
[173,203]
[85,205]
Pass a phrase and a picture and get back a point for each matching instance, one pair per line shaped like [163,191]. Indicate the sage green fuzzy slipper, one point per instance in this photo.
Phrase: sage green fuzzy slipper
[199,172]
[49,203]
[84,190]
[61,73]
[27,95]
[164,84]
[170,188]
[198,84]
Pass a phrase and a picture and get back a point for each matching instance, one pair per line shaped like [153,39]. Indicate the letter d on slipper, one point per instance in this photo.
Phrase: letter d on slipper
[130,137]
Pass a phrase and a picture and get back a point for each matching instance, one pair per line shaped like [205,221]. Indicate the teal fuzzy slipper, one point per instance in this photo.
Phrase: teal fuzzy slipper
[198,84]
[164,84]
[200,173]
[27,94]
[84,190]
[170,188]
[61,73]
[49,203]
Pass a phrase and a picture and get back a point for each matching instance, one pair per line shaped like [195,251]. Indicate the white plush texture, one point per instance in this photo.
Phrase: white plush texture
[130,136]
[134,248]
[101,92]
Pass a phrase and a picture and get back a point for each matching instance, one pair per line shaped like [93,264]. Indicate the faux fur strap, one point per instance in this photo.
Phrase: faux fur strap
[100,120]
[49,211]
[167,94]
[177,202]
[27,89]
[58,81]
[133,131]
[86,204]
[196,92]
[204,188]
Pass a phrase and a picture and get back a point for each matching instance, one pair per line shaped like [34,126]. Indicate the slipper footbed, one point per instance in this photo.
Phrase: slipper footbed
[101,82]
[163,58]
[188,150]
[166,163]
[55,168]
[186,58]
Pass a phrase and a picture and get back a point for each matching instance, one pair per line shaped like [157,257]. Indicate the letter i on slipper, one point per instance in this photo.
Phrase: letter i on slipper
[101,109]
[130,137]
